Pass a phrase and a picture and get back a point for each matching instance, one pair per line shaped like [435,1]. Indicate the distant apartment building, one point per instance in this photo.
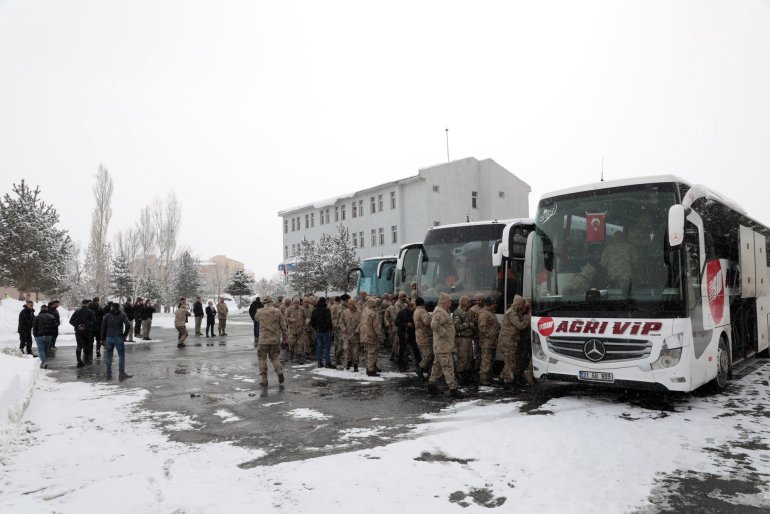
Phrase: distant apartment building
[382,218]
[217,272]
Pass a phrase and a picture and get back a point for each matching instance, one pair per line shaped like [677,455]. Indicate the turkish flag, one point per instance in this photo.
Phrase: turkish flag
[595,227]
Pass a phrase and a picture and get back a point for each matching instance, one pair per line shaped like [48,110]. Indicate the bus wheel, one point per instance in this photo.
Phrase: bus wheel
[723,366]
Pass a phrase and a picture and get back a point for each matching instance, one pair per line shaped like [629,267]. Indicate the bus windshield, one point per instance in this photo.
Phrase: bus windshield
[368,281]
[605,252]
[458,261]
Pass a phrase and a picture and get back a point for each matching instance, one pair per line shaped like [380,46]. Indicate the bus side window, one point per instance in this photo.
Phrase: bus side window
[693,268]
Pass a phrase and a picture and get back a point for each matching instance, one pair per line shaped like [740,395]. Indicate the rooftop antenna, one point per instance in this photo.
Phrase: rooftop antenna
[447,143]
[602,168]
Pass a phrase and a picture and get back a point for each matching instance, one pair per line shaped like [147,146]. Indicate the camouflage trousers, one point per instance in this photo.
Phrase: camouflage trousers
[426,351]
[443,365]
[487,356]
[339,347]
[464,350]
[271,351]
[394,342]
[371,356]
[509,362]
[298,343]
[352,350]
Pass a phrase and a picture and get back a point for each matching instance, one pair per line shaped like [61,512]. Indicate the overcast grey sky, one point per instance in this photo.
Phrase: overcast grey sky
[248,107]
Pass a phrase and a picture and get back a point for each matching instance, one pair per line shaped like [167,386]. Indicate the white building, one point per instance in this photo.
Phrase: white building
[384,217]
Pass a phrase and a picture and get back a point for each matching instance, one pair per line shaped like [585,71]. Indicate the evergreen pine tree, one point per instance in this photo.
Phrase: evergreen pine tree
[187,283]
[240,286]
[122,279]
[33,252]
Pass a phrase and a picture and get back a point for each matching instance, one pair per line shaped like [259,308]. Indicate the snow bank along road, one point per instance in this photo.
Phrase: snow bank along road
[192,432]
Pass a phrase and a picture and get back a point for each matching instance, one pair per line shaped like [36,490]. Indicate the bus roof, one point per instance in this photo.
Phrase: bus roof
[653,179]
[477,223]
[380,258]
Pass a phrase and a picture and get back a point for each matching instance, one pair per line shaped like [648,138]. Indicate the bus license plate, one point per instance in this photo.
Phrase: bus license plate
[595,376]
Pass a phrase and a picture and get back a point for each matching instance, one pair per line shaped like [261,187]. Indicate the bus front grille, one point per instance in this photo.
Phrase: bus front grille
[600,349]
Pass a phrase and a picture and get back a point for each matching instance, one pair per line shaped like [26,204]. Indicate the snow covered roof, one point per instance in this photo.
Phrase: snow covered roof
[595,186]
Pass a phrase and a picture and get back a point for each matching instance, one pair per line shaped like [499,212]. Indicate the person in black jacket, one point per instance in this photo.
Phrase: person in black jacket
[147,311]
[321,321]
[43,328]
[53,307]
[406,336]
[83,320]
[253,308]
[211,318]
[138,309]
[128,310]
[198,313]
[26,319]
[96,333]
[114,330]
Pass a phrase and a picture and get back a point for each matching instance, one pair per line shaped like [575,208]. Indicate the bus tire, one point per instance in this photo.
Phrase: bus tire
[723,367]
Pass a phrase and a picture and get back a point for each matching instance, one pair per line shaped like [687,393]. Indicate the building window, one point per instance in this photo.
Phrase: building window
[293,250]
[360,207]
[328,219]
[394,234]
[392,199]
[342,214]
[312,219]
[353,210]
[501,194]
[373,205]
[355,239]
[435,189]
[337,213]
[374,237]
[379,203]
[286,252]
[436,223]
[361,239]
[285,226]
[382,236]
[474,198]
[292,225]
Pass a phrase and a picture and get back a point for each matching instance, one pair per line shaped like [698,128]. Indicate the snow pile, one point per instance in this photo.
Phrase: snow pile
[18,374]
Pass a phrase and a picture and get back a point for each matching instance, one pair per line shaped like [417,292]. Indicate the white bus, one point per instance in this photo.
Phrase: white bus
[467,259]
[646,283]
[375,275]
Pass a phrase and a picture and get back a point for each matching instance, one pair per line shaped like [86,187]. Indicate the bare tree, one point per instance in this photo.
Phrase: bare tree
[146,238]
[166,217]
[220,277]
[99,250]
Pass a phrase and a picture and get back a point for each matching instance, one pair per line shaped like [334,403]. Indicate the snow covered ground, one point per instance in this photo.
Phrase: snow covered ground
[81,447]
[86,447]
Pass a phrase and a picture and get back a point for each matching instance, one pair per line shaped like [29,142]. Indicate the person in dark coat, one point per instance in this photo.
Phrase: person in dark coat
[406,336]
[147,312]
[198,313]
[253,308]
[83,320]
[321,322]
[138,309]
[211,318]
[26,319]
[114,330]
[128,310]
[44,328]
[53,311]
[96,333]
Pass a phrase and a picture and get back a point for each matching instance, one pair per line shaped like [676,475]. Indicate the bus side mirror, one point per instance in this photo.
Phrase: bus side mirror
[676,215]
[497,254]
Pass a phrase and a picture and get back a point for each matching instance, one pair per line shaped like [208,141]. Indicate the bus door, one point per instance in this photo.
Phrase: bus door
[407,266]
[386,274]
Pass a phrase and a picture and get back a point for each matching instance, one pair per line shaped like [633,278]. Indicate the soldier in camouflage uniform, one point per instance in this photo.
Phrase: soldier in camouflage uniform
[350,320]
[297,320]
[339,347]
[620,259]
[371,333]
[424,336]
[475,308]
[443,346]
[464,324]
[488,329]
[272,326]
[515,324]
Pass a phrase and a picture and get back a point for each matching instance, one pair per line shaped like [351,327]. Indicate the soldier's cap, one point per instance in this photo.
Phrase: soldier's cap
[443,297]
[371,302]
[490,301]
[352,302]
[268,299]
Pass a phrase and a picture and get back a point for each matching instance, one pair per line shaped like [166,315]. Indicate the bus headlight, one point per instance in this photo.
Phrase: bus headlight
[670,354]
[537,349]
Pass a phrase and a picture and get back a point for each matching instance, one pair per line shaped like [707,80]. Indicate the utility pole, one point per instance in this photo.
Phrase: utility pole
[602,168]
[447,143]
